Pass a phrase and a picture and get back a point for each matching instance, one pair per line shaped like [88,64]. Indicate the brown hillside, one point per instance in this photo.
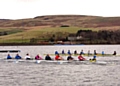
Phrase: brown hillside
[69,20]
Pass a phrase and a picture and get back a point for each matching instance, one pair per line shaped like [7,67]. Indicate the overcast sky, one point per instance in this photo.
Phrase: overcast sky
[19,9]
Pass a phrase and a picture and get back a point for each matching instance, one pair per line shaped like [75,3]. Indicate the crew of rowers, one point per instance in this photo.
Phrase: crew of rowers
[27,57]
[57,56]
[47,57]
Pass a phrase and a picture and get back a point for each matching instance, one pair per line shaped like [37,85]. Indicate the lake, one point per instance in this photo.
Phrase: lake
[32,74]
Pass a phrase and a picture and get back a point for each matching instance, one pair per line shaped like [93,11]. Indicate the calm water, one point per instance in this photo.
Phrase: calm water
[32,74]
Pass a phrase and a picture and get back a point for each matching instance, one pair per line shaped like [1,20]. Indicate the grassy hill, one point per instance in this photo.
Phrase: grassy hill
[44,27]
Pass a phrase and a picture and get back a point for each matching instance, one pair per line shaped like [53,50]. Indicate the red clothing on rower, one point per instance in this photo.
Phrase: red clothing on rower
[81,58]
[57,57]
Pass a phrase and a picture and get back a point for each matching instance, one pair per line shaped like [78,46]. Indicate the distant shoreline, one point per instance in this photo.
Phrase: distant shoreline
[27,44]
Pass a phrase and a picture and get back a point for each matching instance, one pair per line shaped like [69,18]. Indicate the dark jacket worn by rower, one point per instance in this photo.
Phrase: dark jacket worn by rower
[63,52]
[48,57]
[69,58]
[75,52]
[114,53]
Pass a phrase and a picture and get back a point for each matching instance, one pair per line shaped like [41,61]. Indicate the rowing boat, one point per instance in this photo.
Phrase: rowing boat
[36,61]
[56,61]
[52,61]
[99,54]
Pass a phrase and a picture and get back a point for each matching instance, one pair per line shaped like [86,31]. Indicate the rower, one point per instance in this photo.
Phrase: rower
[95,53]
[38,57]
[58,57]
[56,52]
[75,52]
[63,52]
[81,58]
[114,53]
[27,57]
[47,57]
[103,53]
[18,56]
[81,52]
[69,52]
[89,53]
[69,57]
[9,57]
[94,58]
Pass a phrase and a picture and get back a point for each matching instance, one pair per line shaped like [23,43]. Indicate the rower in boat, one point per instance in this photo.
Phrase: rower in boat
[114,53]
[89,53]
[38,57]
[68,52]
[63,52]
[9,57]
[75,52]
[81,58]
[18,56]
[47,57]
[69,57]
[95,53]
[103,53]
[82,52]
[58,57]
[56,52]
[94,59]
[27,57]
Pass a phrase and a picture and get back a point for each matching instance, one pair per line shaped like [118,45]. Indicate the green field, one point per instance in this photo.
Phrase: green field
[23,35]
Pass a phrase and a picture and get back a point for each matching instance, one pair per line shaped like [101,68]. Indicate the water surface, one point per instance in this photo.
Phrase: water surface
[32,74]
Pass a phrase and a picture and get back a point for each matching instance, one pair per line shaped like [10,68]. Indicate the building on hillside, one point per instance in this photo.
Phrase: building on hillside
[74,37]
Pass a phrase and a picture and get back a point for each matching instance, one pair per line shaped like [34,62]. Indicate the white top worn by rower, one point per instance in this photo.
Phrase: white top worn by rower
[27,57]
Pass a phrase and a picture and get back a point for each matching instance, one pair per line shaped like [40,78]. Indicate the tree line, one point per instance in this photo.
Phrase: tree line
[99,37]
[93,37]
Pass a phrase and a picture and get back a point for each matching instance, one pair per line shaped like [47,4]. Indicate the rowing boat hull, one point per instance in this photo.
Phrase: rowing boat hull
[56,62]
[84,55]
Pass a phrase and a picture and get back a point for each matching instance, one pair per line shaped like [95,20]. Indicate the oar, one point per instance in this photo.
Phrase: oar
[16,61]
[38,61]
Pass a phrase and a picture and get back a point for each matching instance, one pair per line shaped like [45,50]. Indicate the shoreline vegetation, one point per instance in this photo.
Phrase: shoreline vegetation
[60,30]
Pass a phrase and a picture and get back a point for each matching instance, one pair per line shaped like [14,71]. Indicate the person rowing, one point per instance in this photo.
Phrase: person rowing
[94,58]
[68,52]
[81,58]
[9,57]
[56,52]
[89,53]
[58,57]
[75,52]
[18,56]
[38,57]
[95,53]
[63,52]
[114,53]
[27,57]
[82,52]
[103,53]
[69,57]
[47,57]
